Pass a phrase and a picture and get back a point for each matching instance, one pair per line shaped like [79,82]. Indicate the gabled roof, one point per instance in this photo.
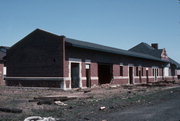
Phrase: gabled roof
[147,49]
[102,48]
[93,46]
[174,62]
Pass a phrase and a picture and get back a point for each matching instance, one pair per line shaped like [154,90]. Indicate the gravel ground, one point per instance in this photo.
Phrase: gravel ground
[112,100]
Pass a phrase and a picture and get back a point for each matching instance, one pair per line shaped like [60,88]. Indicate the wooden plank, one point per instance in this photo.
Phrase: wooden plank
[10,110]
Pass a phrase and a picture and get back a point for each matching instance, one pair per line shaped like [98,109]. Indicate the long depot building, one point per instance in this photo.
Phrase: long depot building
[45,59]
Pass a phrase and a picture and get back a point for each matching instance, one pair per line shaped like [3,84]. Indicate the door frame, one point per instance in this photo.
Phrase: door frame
[131,66]
[147,75]
[88,82]
[155,73]
[76,60]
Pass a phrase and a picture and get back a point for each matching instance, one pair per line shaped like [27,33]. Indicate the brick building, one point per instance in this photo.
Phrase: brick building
[2,67]
[46,59]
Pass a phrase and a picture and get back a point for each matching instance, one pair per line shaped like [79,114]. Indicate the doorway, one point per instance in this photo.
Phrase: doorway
[88,75]
[75,75]
[147,76]
[140,78]
[155,74]
[131,75]
[104,73]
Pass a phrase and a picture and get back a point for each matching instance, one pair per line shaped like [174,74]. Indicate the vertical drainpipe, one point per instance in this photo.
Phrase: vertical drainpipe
[63,61]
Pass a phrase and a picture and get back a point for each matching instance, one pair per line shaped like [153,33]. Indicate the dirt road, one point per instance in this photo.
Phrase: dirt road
[164,108]
[123,103]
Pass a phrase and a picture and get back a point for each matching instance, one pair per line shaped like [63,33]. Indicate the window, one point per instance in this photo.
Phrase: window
[121,70]
[137,71]
[157,72]
[142,71]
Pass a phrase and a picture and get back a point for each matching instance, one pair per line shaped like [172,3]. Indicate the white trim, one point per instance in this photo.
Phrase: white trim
[130,65]
[94,78]
[120,77]
[4,70]
[88,61]
[83,78]
[74,60]
[79,61]
[121,64]
[154,67]
[169,76]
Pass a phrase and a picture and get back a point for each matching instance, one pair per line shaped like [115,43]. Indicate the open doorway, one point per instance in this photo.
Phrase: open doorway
[130,75]
[75,75]
[147,75]
[140,78]
[88,75]
[104,73]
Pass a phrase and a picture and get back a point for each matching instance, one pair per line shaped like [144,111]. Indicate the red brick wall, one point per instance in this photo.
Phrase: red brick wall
[98,57]
[94,83]
[83,69]
[94,69]
[66,68]
[1,73]
[125,72]
[83,83]
[120,81]
[116,70]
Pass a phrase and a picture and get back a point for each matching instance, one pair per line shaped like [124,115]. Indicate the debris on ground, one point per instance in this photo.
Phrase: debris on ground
[60,103]
[38,118]
[102,108]
[10,110]
[51,100]
[86,91]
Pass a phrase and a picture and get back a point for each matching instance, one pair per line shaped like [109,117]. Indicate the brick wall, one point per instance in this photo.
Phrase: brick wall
[40,54]
[100,57]
[1,73]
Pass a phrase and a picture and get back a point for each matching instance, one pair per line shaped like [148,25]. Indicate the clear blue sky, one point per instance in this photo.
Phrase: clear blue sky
[117,23]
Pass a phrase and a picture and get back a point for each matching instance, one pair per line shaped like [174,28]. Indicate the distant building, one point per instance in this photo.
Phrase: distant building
[170,70]
[45,59]
[3,51]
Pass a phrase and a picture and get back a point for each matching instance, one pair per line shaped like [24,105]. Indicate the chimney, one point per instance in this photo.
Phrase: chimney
[154,45]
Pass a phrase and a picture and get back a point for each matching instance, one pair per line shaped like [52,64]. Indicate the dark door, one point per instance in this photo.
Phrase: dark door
[104,73]
[131,75]
[147,76]
[74,75]
[88,76]
[140,79]
[155,74]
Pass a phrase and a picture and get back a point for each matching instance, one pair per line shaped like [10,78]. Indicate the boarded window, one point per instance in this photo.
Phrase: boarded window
[121,70]
[137,70]
[157,72]
[142,71]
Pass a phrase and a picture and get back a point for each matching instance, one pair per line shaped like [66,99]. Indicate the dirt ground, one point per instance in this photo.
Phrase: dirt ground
[86,106]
